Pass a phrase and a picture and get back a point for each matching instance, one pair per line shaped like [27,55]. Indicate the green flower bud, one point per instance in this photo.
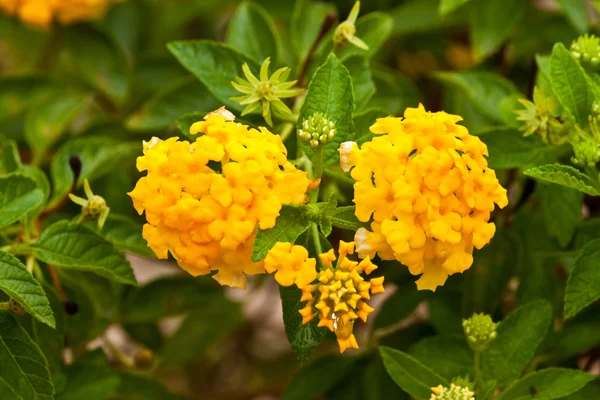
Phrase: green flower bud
[464,382]
[317,130]
[16,307]
[587,153]
[587,50]
[346,31]
[94,207]
[479,330]
[539,117]
[454,392]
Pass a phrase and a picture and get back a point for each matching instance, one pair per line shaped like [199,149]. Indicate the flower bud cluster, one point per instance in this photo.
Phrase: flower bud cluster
[317,130]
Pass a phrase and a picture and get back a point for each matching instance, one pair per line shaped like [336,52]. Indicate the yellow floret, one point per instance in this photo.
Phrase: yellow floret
[425,183]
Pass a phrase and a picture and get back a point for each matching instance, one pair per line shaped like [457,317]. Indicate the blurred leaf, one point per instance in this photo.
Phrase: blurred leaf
[318,376]
[492,22]
[589,391]
[90,378]
[412,376]
[124,233]
[290,224]
[344,217]
[24,368]
[252,31]
[447,6]
[376,384]
[19,92]
[577,13]
[100,61]
[561,208]
[148,334]
[450,356]
[486,89]
[364,120]
[550,383]
[70,245]
[570,84]
[330,92]
[362,83]
[139,387]
[18,196]
[20,285]
[418,16]
[486,281]
[444,313]
[394,93]
[48,120]
[10,160]
[215,64]
[578,335]
[99,156]
[583,286]
[508,148]
[42,183]
[307,19]
[87,323]
[399,305]
[519,335]
[126,22]
[153,73]
[201,329]
[161,110]
[564,175]
[587,230]
[167,297]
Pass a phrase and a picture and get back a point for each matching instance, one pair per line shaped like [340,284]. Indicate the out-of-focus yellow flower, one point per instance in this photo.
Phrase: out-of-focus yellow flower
[340,294]
[204,200]
[426,183]
[460,56]
[292,264]
[42,13]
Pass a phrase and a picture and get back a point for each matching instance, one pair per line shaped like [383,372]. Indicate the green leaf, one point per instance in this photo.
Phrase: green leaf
[487,279]
[577,14]
[412,376]
[330,92]
[303,338]
[564,175]
[493,22]
[583,286]
[42,183]
[70,245]
[376,384]
[364,120]
[140,387]
[19,284]
[578,335]
[23,369]
[307,19]
[215,64]
[124,233]
[252,31]
[362,83]
[394,93]
[167,297]
[550,383]
[487,90]
[561,208]
[290,224]
[201,329]
[570,84]
[519,335]
[422,16]
[48,120]
[447,6]
[450,356]
[18,196]
[589,391]
[399,305]
[508,148]
[318,376]
[10,160]
[161,110]
[90,378]
[99,155]
[100,61]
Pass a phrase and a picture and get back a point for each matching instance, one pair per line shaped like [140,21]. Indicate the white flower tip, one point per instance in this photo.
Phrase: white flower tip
[151,143]
[223,112]
[345,150]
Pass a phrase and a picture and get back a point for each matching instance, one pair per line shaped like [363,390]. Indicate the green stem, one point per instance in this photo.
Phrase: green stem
[341,178]
[4,305]
[317,173]
[477,367]
[286,131]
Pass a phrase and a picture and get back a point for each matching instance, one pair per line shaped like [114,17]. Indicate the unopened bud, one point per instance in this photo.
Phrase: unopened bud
[479,330]
[317,130]
[94,207]
[587,50]
[454,392]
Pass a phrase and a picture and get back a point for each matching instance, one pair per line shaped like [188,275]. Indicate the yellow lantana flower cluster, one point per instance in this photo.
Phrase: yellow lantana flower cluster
[204,200]
[426,183]
[340,291]
[43,13]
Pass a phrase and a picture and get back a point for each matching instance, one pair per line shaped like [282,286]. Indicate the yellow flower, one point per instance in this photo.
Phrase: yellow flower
[340,294]
[454,392]
[204,200]
[42,13]
[292,265]
[425,182]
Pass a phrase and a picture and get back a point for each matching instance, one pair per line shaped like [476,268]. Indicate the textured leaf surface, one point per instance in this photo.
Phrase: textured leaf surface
[583,286]
[69,245]
[564,175]
[252,31]
[561,207]
[125,233]
[449,356]
[290,224]
[550,383]
[19,284]
[18,196]
[508,149]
